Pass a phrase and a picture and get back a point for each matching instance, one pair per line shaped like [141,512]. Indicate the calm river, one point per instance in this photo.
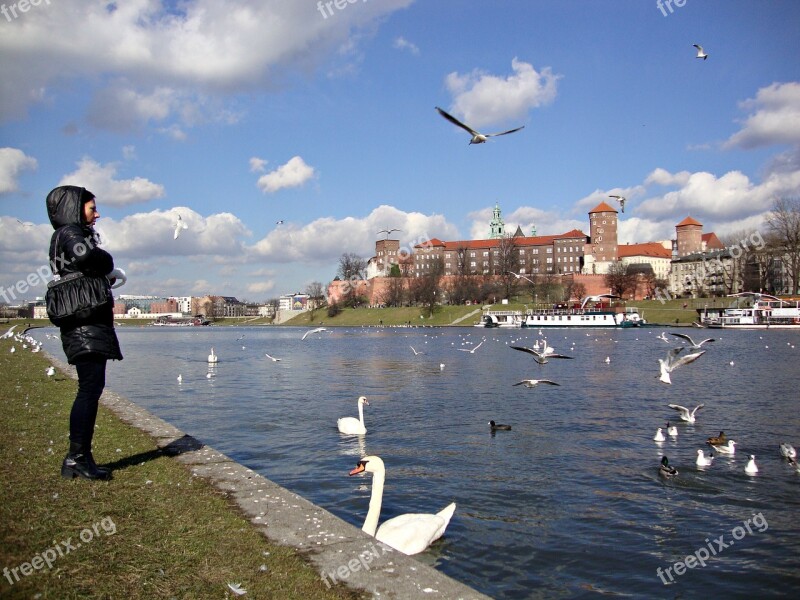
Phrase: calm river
[566,504]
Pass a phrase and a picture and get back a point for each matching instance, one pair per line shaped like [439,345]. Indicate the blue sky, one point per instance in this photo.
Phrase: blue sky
[240,115]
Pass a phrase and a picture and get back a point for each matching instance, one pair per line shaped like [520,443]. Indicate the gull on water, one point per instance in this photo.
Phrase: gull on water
[659,436]
[751,468]
[686,414]
[672,362]
[477,137]
[672,430]
[727,449]
[700,52]
[703,460]
[788,451]
[692,344]
[272,358]
[212,358]
[530,383]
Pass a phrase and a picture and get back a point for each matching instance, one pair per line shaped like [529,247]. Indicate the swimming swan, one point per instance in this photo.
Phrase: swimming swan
[351,425]
[212,358]
[410,533]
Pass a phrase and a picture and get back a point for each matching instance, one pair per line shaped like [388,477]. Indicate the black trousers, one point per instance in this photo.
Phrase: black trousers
[91,381]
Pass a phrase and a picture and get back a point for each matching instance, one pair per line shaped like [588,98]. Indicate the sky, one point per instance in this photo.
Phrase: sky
[287,133]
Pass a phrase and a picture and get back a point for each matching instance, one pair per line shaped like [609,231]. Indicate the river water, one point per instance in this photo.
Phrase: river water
[568,503]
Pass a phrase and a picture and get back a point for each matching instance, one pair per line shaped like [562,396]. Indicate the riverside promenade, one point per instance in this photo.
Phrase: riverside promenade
[341,554]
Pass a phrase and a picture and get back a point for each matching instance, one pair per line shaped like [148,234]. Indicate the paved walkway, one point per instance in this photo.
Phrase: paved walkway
[340,551]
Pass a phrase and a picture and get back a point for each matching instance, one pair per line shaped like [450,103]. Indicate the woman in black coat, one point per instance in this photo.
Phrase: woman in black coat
[88,342]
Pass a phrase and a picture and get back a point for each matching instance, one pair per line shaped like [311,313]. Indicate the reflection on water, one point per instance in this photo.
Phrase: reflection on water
[568,503]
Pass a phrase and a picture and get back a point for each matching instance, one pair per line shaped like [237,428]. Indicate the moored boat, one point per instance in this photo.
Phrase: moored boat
[751,310]
[593,311]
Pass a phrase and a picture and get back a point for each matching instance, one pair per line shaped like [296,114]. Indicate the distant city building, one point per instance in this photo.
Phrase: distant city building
[655,255]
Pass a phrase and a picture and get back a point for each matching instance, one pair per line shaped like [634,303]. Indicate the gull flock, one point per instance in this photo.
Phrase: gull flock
[412,533]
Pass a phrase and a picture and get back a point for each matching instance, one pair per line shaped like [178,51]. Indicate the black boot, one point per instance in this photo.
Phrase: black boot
[80,463]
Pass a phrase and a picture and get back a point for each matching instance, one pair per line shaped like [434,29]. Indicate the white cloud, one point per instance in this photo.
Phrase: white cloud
[293,174]
[12,161]
[257,165]
[775,120]
[168,57]
[100,180]
[326,239]
[402,43]
[482,98]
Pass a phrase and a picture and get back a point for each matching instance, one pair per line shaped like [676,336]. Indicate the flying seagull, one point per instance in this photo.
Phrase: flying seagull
[471,350]
[686,414]
[179,225]
[477,137]
[279,222]
[529,383]
[388,232]
[672,362]
[692,344]
[310,331]
[620,199]
[539,357]
[416,352]
[700,52]
[272,358]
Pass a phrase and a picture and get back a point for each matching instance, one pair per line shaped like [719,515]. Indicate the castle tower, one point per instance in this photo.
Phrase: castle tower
[496,225]
[689,236]
[603,235]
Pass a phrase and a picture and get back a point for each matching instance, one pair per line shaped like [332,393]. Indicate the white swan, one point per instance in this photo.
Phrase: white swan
[351,425]
[212,358]
[411,533]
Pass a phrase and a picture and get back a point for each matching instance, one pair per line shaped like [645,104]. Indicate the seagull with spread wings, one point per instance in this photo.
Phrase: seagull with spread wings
[179,226]
[540,357]
[700,52]
[477,137]
[692,344]
[672,362]
[620,199]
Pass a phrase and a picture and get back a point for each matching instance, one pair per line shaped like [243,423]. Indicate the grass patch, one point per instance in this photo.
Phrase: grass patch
[416,316]
[174,535]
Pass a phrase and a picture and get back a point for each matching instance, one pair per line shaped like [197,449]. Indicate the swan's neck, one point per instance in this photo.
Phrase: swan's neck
[361,412]
[374,513]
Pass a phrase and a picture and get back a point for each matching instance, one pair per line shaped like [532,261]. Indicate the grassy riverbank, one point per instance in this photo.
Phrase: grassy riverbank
[155,531]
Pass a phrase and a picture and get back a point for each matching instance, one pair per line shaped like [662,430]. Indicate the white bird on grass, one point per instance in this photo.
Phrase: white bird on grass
[237,589]
[700,52]
[315,330]
[672,362]
[751,468]
[179,226]
[692,344]
[408,533]
[272,358]
[531,383]
[351,425]
[686,414]
[8,334]
[703,460]
[51,371]
[477,137]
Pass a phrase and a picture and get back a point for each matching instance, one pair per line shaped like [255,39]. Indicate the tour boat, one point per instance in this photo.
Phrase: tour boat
[593,311]
[752,310]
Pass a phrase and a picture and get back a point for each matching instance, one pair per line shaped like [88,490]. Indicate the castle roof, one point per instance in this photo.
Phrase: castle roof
[602,207]
[523,241]
[651,249]
[689,221]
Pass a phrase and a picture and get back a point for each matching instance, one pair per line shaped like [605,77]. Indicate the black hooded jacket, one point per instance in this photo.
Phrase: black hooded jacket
[73,248]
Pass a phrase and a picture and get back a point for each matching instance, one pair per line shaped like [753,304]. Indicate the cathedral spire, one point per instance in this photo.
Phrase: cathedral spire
[496,225]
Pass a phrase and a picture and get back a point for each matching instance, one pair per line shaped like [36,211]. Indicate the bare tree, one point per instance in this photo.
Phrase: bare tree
[784,223]
[395,292]
[619,280]
[316,297]
[351,269]
[505,260]
[425,287]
